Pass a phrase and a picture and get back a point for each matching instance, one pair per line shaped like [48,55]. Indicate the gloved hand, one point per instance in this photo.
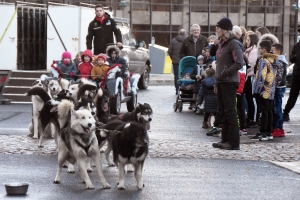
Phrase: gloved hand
[71,74]
[54,62]
[98,80]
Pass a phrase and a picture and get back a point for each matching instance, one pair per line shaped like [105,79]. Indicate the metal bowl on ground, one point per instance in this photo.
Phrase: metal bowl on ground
[16,188]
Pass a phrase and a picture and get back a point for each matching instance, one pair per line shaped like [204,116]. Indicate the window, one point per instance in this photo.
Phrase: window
[132,40]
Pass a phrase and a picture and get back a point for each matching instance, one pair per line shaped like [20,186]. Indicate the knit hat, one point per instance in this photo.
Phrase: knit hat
[225,24]
[102,56]
[66,54]
[200,57]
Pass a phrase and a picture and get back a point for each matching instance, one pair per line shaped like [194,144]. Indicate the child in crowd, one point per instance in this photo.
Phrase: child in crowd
[240,106]
[277,126]
[78,59]
[264,89]
[85,67]
[211,39]
[207,94]
[187,85]
[198,75]
[208,59]
[66,68]
[99,68]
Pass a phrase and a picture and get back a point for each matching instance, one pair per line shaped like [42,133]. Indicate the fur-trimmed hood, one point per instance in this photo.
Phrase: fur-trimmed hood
[270,57]
[270,37]
[111,48]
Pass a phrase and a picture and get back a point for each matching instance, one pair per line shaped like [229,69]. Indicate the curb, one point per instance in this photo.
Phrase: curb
[293,166]
[161,79]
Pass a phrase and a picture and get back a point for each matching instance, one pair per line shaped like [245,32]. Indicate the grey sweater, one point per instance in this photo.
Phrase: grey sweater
[230,60]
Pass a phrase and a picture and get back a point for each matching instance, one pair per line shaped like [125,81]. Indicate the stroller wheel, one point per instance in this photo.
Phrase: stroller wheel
[175,107]
[180,106]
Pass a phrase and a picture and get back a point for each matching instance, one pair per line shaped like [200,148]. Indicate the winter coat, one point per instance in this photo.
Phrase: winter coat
[209,60]
[240,89]
[174,48]
[98,70]
[207,94]
[251,53]
[264,83]
[102,34]
[66,69]
[85,68]
[201,71]
[281,72]
[118,59]
[229,60]
[190,48]
[295,58]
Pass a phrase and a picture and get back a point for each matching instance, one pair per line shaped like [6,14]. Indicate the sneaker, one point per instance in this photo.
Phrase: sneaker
[199,111]
[278,133]
[264,138]
[194,109]
[213,131]
[243,132]
[258,136]
[286,117]
[204,125]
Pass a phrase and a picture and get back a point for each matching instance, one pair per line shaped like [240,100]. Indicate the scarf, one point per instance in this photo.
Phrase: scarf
[101,20]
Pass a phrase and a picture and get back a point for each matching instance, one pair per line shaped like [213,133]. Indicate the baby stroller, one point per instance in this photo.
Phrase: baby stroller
[185,95]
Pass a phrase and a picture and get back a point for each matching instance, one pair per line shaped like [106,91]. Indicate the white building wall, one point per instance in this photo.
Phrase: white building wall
[66,20]
[8,45]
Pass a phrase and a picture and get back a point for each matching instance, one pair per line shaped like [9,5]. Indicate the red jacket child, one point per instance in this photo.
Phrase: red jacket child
[85,67]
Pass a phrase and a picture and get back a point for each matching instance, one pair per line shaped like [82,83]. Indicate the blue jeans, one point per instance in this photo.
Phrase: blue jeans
[277,108]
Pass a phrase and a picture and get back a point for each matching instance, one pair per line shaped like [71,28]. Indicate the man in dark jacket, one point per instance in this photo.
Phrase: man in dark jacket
[229,58]
[194,44]
[174,54]
[295,86]
[101,29]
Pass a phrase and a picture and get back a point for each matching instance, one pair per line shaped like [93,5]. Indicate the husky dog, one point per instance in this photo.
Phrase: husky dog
[101,100]
[88,104]
[64,94]
[54,87]
[46,113]
[141,114]
[76,143]
[37,105]
[130,147]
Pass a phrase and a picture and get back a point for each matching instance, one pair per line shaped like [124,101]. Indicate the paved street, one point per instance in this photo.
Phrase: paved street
[180,155]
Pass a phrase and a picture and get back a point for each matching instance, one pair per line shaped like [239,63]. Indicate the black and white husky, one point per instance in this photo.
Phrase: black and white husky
[130,146]
[77,142]
[142,114]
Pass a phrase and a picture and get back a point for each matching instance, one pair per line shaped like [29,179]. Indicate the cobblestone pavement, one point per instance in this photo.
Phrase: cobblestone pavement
[172,134]
[283,152]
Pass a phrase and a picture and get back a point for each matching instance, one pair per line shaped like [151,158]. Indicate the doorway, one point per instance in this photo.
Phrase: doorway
[32,38]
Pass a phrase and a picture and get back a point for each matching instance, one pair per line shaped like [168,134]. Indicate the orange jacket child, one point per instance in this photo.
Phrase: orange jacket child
[99,70]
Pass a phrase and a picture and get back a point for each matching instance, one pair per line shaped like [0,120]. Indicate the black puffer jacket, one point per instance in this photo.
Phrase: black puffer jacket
[190,48]
[174,48]
[207,94]
[102,34]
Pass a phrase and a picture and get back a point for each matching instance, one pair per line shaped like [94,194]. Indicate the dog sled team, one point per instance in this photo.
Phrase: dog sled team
[72,107]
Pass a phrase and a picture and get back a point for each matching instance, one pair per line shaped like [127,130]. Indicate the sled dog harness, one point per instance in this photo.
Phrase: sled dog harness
[86,149]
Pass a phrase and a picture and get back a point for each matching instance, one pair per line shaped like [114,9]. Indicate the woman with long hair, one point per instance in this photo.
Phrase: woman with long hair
[251,53]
